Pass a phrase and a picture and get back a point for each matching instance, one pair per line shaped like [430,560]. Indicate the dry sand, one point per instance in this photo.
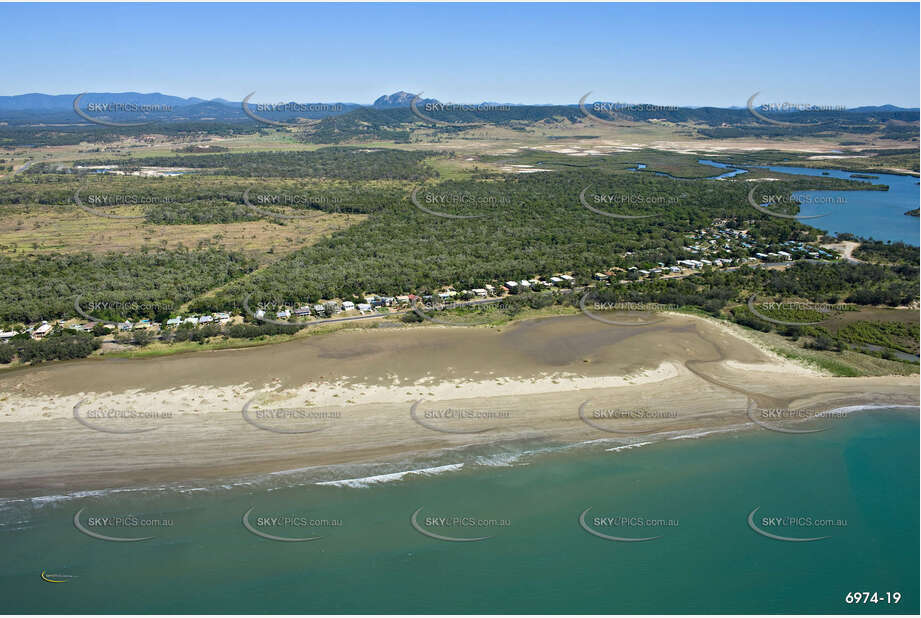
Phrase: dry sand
[355,390]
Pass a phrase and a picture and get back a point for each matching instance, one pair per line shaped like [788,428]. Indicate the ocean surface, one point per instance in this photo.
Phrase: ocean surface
[855,484]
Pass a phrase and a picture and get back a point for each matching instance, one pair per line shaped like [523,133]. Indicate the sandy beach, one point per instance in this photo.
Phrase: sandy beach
[386,394]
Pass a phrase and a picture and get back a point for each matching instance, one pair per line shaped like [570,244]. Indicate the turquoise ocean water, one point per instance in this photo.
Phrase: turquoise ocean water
[695,495]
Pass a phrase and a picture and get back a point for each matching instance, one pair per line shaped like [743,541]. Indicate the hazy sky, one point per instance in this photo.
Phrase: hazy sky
[681,54]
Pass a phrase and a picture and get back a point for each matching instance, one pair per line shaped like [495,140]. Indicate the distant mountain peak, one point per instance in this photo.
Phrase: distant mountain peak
[397,99]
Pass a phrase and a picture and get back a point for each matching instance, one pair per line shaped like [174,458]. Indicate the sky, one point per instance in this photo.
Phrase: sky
[670,54]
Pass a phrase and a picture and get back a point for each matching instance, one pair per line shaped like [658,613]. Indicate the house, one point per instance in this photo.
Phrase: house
[674,269]
[566,277]
[223,318]
[194,320]
[6,335]
[174,321]
[645,273]
[319,310]
[403,300]
[784,255]
[479,292]
[260,314]
[706,262]
[348,305]
[489,288]
[556,280]
[205,319]
[388,301]
[364,307]
[125,325]
[284,314]
[600,277]
[511,284]
[525,283]
[41,331]
[142,325]
[761,256]
[302,311]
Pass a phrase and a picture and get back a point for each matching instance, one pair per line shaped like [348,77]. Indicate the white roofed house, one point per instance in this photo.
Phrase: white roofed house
[347,305]
[364,307]
[284,314]
[205,319]
[43,329]
[191,320]
[174,321]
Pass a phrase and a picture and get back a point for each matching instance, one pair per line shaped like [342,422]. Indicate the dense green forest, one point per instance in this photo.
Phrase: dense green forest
[333,162]
[28,135]
[146,284]
[525,225]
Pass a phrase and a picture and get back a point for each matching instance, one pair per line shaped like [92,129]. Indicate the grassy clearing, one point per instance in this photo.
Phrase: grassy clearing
[41,230]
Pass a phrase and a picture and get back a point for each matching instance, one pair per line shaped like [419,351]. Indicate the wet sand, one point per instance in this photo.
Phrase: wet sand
[350,397]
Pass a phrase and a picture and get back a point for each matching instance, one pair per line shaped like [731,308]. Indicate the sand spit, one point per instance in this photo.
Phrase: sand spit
[374,396]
